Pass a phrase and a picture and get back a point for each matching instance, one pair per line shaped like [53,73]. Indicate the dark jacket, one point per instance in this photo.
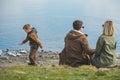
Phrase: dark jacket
[76,50]
[33,39]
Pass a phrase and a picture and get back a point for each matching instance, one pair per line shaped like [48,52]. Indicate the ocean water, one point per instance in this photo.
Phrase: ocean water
[52,19]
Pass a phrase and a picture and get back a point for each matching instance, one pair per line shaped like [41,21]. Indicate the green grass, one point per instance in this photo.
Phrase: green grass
[58,73]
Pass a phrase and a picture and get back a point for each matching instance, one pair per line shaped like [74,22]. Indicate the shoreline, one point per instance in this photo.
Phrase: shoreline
[43,58]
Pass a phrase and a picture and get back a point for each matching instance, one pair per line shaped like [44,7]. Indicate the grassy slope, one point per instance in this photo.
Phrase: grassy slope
[58,73]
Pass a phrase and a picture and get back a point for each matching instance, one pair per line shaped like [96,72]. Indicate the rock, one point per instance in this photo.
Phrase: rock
[11,54]
[4,56]
[22,51]
[21,57]
[118,55]
[10,61]
[1,52]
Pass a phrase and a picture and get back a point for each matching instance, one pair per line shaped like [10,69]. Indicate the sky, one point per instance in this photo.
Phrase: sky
[101,7]
[97,8]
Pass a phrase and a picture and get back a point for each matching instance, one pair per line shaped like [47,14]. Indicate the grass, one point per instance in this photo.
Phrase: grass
[58,73]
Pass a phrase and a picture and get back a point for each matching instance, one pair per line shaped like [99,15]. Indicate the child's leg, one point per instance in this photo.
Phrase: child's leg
[32,55]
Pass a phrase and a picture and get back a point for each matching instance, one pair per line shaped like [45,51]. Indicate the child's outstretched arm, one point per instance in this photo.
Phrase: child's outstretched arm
[24,41]
[35,38]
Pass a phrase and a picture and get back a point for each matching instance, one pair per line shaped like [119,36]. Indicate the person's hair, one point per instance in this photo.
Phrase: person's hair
[77,24]
[108,28]
[27,26]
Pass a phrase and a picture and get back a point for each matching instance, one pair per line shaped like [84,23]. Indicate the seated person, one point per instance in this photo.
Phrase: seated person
[76,51]
[105,47]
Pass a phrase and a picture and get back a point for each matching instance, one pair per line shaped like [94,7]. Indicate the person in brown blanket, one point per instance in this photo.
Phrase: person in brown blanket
[34,42]
[76,51]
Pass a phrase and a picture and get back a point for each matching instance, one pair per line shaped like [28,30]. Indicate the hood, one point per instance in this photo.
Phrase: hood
[74,35]
[34,30]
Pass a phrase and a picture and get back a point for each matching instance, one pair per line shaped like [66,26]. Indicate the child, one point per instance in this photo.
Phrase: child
[34,42]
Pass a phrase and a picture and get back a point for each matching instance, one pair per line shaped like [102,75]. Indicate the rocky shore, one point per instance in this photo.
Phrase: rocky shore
[20,57]
[10,58]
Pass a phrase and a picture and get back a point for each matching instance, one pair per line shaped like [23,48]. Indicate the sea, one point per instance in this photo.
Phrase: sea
[53,20]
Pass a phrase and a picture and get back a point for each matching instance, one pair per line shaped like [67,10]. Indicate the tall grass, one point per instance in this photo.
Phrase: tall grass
[58,73]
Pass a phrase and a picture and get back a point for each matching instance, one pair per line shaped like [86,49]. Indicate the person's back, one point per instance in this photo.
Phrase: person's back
[76,48]
[31,35]
[105,48]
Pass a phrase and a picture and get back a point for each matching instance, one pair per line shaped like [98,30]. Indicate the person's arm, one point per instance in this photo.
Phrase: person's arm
[99,45]
[85,46]
[24,41]
[35,38]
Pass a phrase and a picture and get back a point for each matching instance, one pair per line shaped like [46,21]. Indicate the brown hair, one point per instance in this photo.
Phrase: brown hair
[27,26]
[108,28]
[77,24]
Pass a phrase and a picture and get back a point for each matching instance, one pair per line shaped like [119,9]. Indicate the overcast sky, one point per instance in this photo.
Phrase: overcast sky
[98,8]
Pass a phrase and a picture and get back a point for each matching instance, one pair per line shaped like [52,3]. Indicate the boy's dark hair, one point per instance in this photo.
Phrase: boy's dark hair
[77,24]
[26,26]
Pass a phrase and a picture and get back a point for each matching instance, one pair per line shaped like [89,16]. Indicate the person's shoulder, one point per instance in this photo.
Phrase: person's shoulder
[102,36]
[32,34]
[71,31]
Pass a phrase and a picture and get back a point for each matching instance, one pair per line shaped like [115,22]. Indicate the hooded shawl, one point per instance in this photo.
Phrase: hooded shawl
[76,51]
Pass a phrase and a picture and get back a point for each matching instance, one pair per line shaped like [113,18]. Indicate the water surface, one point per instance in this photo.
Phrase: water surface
[53,19]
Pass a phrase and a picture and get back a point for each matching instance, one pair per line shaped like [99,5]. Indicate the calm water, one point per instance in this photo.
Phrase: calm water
[53,19]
